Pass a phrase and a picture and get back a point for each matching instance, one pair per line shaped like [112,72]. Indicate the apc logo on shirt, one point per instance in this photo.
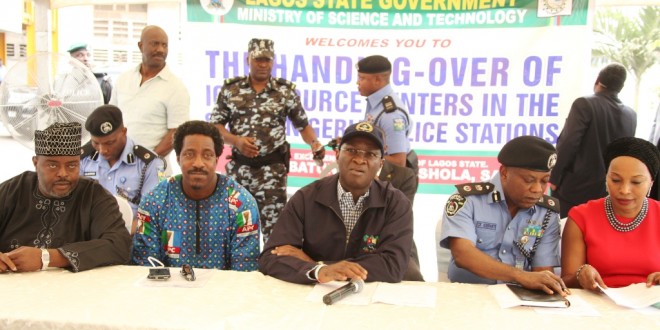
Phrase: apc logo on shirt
[370,242]
[245,225]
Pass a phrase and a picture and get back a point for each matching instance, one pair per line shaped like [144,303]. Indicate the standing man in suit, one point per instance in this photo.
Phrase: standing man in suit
[593,122]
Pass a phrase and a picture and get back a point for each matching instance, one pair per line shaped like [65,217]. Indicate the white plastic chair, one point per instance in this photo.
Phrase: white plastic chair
[126,212]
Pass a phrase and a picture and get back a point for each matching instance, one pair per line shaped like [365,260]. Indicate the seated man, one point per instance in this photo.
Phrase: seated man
[53,218]
[348,225]
[124,168]
[199,217]
[502,229]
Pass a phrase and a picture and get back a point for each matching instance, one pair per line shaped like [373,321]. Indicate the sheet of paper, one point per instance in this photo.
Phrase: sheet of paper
[406,295]
[579,307]
[634,296]
[202,276]
[505,297]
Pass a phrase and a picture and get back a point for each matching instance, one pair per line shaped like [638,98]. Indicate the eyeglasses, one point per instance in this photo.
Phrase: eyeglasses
[187,272]
[366,154]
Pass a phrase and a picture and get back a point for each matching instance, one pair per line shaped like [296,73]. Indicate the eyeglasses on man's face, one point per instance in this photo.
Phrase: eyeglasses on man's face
[366,154]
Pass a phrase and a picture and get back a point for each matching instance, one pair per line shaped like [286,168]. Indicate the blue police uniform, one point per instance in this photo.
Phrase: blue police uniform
[396,124]
[126,174]
[478,212]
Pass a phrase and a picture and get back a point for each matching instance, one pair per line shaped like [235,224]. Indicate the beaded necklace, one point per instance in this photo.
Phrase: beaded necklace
[625,227]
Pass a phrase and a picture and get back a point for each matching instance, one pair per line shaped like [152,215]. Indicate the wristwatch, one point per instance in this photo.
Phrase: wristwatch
[45,259]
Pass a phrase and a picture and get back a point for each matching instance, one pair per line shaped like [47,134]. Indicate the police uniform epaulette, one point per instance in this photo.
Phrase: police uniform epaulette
[388,104]
[88,151]
[285,82]
[145,154]
[230,81]
[549,203]
[476,188]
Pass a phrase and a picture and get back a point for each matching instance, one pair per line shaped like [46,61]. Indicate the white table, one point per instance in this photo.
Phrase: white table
[109,298]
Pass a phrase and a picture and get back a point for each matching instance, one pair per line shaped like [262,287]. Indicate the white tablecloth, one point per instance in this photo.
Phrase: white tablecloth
[113,298]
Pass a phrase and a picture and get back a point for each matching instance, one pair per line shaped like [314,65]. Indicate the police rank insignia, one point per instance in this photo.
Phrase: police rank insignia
[454,204]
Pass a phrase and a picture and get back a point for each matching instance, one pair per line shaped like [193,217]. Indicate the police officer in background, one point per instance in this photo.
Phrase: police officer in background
[255,108]
[79,52]
[119,165]
[385,109]
[507,229]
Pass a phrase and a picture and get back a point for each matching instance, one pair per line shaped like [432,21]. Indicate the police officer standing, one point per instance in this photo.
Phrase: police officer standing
[256,108]
[79,52]
[385,109]
[115,161]
[507,229]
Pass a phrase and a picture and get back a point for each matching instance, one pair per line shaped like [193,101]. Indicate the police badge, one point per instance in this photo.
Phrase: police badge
[454,204]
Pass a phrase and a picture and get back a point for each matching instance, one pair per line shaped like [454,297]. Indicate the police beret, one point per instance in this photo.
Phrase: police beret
[367,130]
[76,47]
[261,48]
[104,120]
[374,64]
[530,152]
[634,147]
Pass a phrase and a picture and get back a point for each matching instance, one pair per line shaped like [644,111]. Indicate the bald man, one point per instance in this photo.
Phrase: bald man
[153,100]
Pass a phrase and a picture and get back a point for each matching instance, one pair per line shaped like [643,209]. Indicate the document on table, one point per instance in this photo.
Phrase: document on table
[507,299]
[634,296]
[378,292]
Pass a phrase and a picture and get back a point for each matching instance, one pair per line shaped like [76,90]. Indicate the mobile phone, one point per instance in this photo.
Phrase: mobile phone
[160,273]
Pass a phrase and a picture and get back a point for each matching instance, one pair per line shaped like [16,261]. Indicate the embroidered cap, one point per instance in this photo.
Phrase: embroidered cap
[641,149]
[59,139]
[104,120]
[374,64]
[260,48]
[530,152]
[367,130]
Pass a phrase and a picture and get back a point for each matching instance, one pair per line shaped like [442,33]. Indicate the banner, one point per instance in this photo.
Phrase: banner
[473,74]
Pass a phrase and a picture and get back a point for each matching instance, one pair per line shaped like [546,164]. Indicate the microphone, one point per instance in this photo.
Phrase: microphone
[354,286]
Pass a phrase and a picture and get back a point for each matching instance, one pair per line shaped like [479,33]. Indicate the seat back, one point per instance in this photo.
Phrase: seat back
[126,212]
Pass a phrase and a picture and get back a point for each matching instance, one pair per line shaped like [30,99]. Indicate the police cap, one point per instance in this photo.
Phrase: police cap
[529,152]
[104,120]
[367,130]
[374,64]
[259,48]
